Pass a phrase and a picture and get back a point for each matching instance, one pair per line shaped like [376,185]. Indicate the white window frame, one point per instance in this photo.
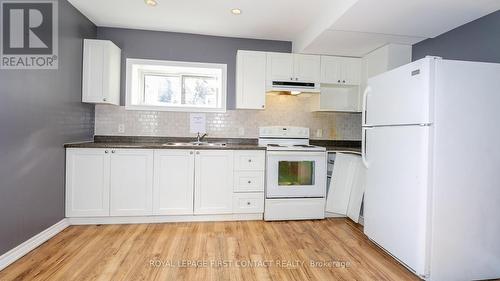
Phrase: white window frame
[140,87]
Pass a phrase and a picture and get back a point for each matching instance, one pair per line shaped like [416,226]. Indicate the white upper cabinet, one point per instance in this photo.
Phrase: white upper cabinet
[87,183]
[307,67]
[340,70]
[280,67]
[293,67]
[131,182]
[101,72]
[351,70]
[337,99]
[251,80]
[213,182]
[331,72]
[173,189]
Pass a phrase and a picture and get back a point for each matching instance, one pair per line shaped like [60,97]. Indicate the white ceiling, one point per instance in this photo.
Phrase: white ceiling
[419,18]
[336,27]
[353,44]
[262,19]
[369,24]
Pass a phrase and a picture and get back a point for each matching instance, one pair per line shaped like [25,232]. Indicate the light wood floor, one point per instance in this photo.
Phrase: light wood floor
[253,250]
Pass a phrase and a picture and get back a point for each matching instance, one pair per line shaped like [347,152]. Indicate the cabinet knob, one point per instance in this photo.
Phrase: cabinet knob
[296,79]
[249,181]
[291,78]
[112,151]
[249,160]
[343,81]
[191,153]
[104,99]
[106,151]
[249,203]
[263,106]
[197,152]
[338,81]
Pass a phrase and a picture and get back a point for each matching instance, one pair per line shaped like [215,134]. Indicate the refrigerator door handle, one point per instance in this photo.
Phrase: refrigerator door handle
[363,149]
[365,103]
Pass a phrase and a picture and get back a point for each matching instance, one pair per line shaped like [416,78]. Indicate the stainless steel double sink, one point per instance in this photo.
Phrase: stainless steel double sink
[195,144]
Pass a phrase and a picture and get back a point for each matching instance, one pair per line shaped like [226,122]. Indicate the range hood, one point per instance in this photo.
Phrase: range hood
[295,87]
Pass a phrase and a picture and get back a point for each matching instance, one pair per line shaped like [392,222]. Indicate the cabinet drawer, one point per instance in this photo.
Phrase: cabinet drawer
[249,181]
[248,203]
[249,160]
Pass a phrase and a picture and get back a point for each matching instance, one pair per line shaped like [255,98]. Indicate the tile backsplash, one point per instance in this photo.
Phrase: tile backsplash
[281,110]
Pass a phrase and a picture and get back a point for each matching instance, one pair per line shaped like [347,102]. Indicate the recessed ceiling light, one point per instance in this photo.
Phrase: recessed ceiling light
[151,2]
[236,11]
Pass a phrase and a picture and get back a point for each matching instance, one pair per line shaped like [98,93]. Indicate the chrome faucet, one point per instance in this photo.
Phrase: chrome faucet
[199,138]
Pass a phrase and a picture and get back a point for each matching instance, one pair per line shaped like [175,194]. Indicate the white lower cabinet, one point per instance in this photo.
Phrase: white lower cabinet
[165,182]
[131,182]
[248,203]
[347,187]
[245,181]
[213,193]
[87,182]
[173,182]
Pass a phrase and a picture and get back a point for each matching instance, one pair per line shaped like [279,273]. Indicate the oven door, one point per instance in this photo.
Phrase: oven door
[296,174]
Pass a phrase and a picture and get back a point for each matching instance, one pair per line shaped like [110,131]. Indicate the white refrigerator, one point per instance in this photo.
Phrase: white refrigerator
[431,146]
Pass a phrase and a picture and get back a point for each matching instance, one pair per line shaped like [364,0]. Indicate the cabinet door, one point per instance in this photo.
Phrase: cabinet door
[307,68]
[87,183]
[251,80]
[131,181]
[173,188]
[101,72]
[279,67]
[111,73]
[213,182]
[351,71]
[93,74]
[331,70]
[343,176]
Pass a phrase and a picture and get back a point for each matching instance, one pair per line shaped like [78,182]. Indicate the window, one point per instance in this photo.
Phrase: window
[176,86]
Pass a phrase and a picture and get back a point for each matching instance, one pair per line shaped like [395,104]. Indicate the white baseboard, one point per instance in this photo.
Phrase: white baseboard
[164,219]
[29,245]
[333,215]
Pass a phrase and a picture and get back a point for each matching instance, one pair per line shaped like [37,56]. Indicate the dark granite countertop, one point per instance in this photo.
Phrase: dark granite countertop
[338,145]
[141,142]
[343,149]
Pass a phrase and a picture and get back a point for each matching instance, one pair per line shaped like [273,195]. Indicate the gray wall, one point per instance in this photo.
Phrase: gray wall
[141,44]
[476,41]
[39,111]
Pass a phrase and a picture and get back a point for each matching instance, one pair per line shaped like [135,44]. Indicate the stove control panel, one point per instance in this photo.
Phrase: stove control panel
[284,132]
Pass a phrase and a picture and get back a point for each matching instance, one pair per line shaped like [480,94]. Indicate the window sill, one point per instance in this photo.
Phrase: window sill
[174,109]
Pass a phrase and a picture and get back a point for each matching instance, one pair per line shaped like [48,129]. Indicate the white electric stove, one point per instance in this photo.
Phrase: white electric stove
[296,174]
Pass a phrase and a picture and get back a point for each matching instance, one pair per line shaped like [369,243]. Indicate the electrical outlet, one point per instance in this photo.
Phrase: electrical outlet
[241,131]
[319,133]
[121,128]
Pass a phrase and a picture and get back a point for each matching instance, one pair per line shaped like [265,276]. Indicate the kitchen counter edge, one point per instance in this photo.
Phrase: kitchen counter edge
[160,146]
